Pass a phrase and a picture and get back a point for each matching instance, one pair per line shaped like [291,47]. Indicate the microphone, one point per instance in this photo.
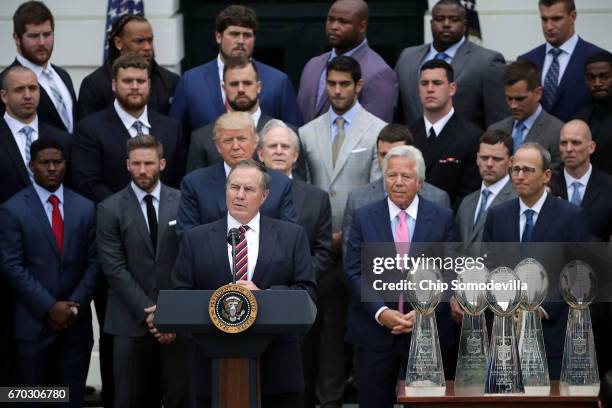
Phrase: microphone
[233,237]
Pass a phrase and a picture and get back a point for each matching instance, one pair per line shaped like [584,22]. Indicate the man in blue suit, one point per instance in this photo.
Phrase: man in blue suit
[537,216]
[277,257]
[199,98]
[203,190]
[561,60]
[379,329]
[48,255]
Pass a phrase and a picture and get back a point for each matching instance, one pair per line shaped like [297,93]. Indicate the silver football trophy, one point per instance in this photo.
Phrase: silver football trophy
[503,366]
[532,352]
[474,340]
[579,373]
[424,371]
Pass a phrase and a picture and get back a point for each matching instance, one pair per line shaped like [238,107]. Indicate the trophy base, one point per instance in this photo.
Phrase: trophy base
[537,390]
[503,394]
[469,391]
[424,389]
[578,390]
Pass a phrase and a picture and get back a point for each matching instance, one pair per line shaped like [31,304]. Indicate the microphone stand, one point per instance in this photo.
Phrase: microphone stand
[232,239]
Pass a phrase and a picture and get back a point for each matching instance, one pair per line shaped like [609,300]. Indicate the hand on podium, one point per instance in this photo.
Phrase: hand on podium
[247,284]
[163,338]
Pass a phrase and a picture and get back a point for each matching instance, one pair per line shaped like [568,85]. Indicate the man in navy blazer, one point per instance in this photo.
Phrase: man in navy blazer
[281,261]
[567,93]
[48,255]
[199,98]
[377,328]
[203,190]
[537,216]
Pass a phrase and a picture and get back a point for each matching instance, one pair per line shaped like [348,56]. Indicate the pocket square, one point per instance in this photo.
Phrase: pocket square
[361,149]
[172,223]
[450,160]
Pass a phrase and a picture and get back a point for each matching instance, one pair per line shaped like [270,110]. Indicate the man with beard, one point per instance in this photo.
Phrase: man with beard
[33,33]
[150,367]
[99,159]
[199,97]
[131,33]
[346,26]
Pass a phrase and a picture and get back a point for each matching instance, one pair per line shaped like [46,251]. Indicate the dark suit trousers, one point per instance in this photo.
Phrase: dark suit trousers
[148,373]
[105,346]
[62,363]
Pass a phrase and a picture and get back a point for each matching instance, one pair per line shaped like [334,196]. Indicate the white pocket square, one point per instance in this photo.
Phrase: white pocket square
[172,223]
[361,149]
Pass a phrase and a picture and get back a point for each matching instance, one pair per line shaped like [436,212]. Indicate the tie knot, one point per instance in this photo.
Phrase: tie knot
[243,229]
[576,184]
[555,52]
[148,199]
[486,193]
[432,132]
[402,215]
[53,200]
[441,56]
[520,126]
[340,121]
[529,215]
[27,130]
[47,72]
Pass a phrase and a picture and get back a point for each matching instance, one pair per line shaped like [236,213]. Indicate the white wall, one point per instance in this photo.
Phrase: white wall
[79,33]
[513,26]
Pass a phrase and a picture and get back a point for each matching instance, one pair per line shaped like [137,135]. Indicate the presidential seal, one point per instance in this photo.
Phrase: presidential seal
[232,308]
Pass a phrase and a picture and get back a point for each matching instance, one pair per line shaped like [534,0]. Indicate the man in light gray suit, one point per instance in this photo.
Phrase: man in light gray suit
[390,136]
[137,247]
[529,122]
[478,71]
[340,148]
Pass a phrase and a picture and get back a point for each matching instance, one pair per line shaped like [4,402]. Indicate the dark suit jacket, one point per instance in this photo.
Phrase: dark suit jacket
[599,119]
[371,224]
[198,99]
[99,153]
[203,198]
[283,263]
[96,91]
[37,272]
[572,93]
[597,201]
[135,271]
[451,160]
[46,109]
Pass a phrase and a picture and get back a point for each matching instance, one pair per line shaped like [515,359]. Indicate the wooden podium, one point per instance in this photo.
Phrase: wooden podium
[450,400]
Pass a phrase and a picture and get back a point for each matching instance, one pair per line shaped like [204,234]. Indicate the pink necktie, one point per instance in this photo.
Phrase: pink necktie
[402,244]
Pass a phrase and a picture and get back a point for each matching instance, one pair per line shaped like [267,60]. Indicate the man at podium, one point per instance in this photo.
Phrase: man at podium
[276,257]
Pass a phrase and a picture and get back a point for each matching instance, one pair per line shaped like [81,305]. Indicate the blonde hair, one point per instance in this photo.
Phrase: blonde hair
[235,121]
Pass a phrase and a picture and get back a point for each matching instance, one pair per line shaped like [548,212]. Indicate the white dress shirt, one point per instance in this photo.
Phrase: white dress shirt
[563,58]
[220,66]
[128,120]
[20,138]
[141,194]
[537,207]
[494,189]
[252,237]
[439,125]
[44,195]
[584,180]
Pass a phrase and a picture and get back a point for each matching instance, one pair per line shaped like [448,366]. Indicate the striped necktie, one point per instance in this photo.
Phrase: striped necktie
[242,255]
[58,101]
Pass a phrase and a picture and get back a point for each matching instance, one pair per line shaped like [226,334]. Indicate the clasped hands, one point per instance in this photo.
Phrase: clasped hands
[398,323]
[62,315]
[163,338]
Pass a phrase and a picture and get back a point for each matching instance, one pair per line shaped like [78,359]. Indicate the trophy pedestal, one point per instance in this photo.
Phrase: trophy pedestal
[579,390]
[472,358]
[532,353]
[424,389]
[424,371]
[503,367]
[537,390]
[579,373]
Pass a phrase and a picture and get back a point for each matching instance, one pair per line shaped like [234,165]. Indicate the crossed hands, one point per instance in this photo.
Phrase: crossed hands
[163,338]
[62,315]
[397,322]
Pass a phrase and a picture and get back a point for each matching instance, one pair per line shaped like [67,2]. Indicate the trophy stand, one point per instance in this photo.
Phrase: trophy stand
[503,368]
[579,373]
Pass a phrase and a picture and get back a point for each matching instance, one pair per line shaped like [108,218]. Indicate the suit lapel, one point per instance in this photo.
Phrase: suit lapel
[413,81]
[322,135]
[539,126]
[211,78]
[134,211]
[118,132]
[545,218]
[165,206]
[263,119]
[573,71]
[267,245]
[323,104]
[38,211]
[219,181]
[592,192]
[299,199]
[472,205]
[461,58]
[8,144]
[356,131]
[379,215]
[424,219]
[217,245]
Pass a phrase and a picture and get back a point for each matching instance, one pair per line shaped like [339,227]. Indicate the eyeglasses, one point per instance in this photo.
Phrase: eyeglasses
[527,171]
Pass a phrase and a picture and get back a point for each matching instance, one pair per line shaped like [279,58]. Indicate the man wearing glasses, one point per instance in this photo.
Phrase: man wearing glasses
[537,216]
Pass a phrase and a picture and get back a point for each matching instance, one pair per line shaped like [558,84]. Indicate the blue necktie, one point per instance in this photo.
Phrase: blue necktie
[138,126]
[528,231]
[60,104]
[518,135]
[27,131]
[576,193]
[442,56]
[551,81]
[485,193]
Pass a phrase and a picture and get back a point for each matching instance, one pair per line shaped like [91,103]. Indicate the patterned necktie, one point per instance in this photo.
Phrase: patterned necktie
[518,135]
[551,81]
[57,224]
[138,126]
[576,193]
[27,131]
[528,231]
[338,140]
[58,101]
[242,255]
[441,56]
[484,194]
[402,243]
[152,220]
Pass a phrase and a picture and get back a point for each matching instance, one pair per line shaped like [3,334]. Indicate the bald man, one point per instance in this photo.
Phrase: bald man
[346,29]
[580,183]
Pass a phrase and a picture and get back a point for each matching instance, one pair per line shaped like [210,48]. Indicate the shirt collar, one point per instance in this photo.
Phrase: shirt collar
[450,51]
[227,169]
[567,47]
[128,120]
[333,53]
[496,187]
[220,66]
[439,125]
[584,180]
[537,207]
[45,194]
[531,119]
[16,125]
[256,115]
[348,115]
[253,224]
[412,209]
[140,193]
[38,69]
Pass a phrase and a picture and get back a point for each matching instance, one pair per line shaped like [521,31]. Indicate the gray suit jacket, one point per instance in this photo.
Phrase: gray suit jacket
[480,96]
[375,191]
[135,272]
[356,164]
[472,234]
[545,131]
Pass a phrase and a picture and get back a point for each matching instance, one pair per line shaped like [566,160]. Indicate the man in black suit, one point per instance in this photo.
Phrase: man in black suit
[580,182]
[449,143]
[279,149]
[33,27]
[598,76]
[131,33]
[277,257]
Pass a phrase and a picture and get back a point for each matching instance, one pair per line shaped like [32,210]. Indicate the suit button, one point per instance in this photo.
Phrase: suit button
[332,193]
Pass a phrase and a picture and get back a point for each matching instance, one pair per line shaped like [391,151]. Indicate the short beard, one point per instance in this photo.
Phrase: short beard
[32,57]
[127,104]
[244,108]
